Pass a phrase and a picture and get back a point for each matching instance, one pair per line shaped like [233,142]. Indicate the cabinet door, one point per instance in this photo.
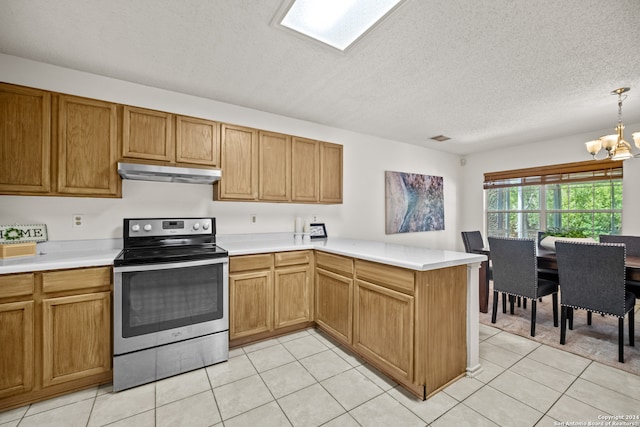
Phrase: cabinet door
[334,304]
[274,166]
[330,173]
[383,327]
[87,147]
[76,337]
[250,303]
[197,141]
[16,338]
[305,170]
[25,140]
[239,162]
[293,295]
[147,134]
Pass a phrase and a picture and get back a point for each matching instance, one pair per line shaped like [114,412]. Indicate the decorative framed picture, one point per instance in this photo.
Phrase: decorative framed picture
[317,231]
[413,202]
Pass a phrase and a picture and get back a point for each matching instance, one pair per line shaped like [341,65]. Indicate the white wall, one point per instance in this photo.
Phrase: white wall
[365,160]
[562,150]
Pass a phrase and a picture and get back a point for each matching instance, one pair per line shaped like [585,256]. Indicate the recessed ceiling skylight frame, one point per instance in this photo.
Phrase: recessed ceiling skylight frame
[358,15]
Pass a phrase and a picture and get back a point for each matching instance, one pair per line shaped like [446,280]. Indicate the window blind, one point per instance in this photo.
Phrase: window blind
[591,170]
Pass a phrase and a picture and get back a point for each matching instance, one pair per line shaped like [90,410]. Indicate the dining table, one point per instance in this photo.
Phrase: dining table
[547,260]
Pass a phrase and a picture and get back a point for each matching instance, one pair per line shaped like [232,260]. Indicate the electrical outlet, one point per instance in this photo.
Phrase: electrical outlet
[253,218]
[78,220]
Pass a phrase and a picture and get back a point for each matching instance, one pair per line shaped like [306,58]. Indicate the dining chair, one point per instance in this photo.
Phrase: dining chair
[632,246]
[515,273]
[632,243]
[473,241]
[544,272]
[592,277]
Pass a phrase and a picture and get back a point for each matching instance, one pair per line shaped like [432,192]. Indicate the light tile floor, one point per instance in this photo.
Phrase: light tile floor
[306,379]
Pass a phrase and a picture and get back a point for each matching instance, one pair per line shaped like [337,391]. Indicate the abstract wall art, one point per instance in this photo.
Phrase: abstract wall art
[413,202]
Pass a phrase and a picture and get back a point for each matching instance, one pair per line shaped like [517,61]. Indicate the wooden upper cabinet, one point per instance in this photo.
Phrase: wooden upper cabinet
[268,166]
[87,147]
[197,141]
[274,166]
[305,165]
[147,134]
[25,140]
[330,173]
[239,163]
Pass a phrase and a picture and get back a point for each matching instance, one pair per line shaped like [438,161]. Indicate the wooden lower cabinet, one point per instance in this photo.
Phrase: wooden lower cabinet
[293,288]
[409,324]
[334,295]
[76,337]
[269,294]
[334,304]
[55,333]
[383,327]
[251,301]
[16,338]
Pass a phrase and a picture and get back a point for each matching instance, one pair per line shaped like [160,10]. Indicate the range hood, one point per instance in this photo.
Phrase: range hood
[168,173]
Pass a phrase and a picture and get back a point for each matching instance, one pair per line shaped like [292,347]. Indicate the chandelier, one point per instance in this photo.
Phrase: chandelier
[617,148]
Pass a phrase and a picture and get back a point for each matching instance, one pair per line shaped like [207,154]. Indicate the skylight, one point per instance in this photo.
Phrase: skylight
[337,23]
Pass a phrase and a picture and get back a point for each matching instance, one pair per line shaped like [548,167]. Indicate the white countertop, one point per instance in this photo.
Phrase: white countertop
[90,253]
[412,257]
[64,254]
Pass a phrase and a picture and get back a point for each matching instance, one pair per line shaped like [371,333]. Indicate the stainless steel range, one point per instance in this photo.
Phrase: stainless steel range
[171,300]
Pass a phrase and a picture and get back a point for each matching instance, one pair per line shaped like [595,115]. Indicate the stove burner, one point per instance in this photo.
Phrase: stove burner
[164,240]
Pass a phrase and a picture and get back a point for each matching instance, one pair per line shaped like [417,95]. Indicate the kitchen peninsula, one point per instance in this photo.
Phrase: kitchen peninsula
[409,311]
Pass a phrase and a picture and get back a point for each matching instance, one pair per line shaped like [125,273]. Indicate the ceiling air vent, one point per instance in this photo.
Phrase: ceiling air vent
[440,138]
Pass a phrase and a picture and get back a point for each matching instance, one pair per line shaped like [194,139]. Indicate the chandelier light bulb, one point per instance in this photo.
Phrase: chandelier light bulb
[609,142]
[615,145]
[593,147]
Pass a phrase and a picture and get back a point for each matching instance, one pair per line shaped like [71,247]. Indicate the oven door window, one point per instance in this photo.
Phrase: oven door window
[157,300]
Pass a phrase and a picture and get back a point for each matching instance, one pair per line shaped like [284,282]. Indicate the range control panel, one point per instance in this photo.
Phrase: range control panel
[145,227]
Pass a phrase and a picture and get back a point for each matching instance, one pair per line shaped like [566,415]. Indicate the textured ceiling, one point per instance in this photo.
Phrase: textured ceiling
[486,73]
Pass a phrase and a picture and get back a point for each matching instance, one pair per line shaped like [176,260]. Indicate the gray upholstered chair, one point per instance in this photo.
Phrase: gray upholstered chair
[543,272]
[592,278]
[515,273]
[473,241]
[632,245]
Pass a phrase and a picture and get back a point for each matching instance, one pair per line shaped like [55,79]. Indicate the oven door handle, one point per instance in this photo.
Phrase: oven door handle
[169,265]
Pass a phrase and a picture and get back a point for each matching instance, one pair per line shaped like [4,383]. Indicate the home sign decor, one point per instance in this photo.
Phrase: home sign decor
[413,202]
[23,233]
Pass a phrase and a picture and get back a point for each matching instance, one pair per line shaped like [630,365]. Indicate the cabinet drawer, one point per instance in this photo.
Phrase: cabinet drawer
[14,285]
[250,262]
[292,258]
[396,278]
[70,280]
[335,263]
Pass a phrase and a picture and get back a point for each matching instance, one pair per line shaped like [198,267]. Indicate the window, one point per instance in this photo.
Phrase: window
[338,23]
[583,197]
